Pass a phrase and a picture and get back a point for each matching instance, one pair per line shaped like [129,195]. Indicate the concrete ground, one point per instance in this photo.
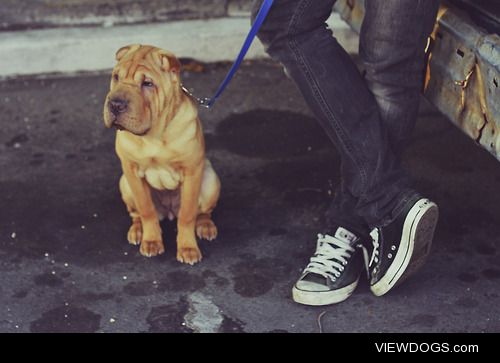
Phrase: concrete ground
[65,264]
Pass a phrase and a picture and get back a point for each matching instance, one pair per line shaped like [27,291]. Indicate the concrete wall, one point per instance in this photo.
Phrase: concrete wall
[26,14]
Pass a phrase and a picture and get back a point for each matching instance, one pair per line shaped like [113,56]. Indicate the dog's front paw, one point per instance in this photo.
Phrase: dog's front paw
[134,235]
[152,248]
[189,255]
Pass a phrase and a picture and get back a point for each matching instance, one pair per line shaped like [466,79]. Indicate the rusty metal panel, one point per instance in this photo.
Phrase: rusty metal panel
[454,78]
[463,73]
[484,12]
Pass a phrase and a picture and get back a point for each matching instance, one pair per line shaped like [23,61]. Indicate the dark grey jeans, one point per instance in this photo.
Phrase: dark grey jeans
[368,117]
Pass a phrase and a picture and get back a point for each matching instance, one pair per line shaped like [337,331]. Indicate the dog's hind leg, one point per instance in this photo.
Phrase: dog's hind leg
[209,195]
[134,235]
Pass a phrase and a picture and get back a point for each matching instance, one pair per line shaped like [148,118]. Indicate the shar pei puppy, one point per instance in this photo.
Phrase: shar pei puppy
[160,144]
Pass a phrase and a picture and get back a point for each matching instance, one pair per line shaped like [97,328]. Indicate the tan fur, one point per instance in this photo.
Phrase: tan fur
[162,152]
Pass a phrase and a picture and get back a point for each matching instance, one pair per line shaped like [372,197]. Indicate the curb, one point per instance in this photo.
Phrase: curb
[92,49]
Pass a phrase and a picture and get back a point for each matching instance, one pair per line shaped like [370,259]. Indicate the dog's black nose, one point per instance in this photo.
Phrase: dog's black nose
[118,105]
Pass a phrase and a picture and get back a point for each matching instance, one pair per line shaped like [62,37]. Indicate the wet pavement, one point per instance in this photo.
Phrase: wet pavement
[65,264]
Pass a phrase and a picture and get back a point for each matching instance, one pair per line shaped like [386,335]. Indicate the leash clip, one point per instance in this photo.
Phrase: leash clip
[203,102]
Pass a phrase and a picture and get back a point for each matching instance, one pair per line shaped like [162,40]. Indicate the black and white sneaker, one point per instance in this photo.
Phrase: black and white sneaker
[333,272]
[401,248]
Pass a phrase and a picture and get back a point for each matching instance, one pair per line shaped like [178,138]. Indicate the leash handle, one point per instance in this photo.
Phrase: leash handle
[261,16]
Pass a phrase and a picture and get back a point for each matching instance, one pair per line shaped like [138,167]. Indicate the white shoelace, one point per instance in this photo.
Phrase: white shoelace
[330,258]
[374,234]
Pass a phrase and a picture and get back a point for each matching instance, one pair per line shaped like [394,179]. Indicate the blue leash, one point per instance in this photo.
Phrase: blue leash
[261,16]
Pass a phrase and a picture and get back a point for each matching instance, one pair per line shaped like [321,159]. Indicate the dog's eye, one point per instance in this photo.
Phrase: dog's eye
[115,77]
[147,84]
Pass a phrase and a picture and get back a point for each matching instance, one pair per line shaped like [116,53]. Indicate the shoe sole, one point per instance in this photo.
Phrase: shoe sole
[416,241]
[319,298]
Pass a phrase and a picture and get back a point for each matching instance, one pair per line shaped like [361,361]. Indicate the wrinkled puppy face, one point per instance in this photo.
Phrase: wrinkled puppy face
[142,85]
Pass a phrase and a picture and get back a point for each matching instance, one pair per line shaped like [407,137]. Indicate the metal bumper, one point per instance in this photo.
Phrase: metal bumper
[463,74]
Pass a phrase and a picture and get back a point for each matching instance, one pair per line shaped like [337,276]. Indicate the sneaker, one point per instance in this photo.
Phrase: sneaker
[333,272]
[401,248]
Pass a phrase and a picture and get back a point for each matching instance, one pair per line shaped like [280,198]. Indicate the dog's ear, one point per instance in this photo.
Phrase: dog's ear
[123,51]
[169,62]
